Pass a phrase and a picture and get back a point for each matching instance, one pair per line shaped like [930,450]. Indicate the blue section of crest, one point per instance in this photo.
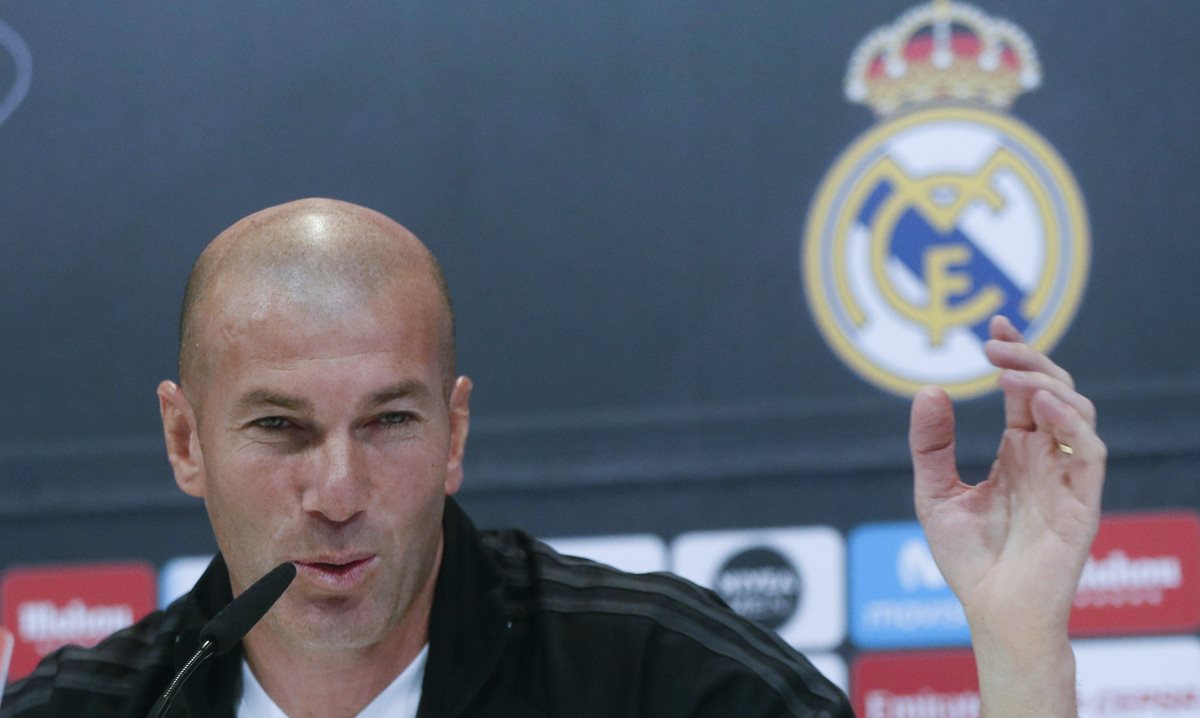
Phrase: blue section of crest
[881,192]
[914,236]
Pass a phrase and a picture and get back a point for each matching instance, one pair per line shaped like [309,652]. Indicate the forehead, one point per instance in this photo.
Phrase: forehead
[262,324]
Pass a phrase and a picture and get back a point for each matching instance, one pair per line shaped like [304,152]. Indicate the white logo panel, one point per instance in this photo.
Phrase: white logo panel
[833,667]
[792,580]
[1139,677]
[635,553]
[178,576]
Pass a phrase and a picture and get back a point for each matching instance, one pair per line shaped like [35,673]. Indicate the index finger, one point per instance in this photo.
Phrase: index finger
[1001,327]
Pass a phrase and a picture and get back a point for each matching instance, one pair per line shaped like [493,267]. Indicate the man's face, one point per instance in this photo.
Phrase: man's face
[325,438]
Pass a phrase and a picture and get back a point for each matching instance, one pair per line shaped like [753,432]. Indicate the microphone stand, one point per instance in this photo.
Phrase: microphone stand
[228,627]
[206,650]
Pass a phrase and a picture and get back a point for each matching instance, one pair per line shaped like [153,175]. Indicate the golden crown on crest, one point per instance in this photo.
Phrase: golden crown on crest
[942,52]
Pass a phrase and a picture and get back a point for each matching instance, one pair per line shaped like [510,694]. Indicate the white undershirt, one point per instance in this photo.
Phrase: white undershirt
[398,700]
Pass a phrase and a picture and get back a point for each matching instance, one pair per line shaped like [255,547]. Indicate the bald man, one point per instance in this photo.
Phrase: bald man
[320,419]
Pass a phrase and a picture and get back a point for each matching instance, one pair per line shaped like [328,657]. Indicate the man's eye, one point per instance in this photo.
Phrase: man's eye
[273,423]
[395,418]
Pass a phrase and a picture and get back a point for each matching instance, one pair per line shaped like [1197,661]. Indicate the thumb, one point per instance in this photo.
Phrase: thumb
[931,441]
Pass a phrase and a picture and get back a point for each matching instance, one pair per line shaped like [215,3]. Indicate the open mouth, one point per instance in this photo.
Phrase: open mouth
[336,574]
[338,568]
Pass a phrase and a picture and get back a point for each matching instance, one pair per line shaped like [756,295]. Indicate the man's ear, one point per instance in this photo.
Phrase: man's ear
[183,439]
[460,424]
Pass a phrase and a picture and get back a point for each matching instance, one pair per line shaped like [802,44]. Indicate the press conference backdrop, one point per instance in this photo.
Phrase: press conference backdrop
[701,252]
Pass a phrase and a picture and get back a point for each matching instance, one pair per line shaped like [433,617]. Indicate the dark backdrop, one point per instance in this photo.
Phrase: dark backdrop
[617,191]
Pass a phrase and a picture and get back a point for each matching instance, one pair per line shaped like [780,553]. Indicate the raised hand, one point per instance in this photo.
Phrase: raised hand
[1013,546]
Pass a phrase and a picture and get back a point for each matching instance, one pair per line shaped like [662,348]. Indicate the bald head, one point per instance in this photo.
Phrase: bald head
[323,256]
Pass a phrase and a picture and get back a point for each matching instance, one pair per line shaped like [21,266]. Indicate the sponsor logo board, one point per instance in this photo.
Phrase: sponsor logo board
[635,553]
[52,606]
[1139,677]
[833,667]
[791,580]
[1117,678]
[178,576]
[898,598]
[1142,576]
[912,684]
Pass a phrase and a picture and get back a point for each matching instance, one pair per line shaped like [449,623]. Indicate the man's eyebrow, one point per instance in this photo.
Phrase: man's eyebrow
[259,398]
[399,390]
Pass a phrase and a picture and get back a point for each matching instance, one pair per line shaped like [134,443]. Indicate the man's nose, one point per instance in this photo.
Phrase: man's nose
[339,488]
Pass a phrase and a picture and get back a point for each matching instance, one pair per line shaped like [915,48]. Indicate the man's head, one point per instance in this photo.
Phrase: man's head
[319,417]
[320,251]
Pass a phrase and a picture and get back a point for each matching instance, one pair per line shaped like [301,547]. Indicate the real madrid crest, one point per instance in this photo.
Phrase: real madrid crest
[946,212]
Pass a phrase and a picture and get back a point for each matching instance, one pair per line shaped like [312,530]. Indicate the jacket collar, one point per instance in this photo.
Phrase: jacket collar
[468,625]
[467,630]
[213,689]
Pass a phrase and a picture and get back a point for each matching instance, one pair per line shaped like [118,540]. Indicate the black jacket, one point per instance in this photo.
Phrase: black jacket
[517,631]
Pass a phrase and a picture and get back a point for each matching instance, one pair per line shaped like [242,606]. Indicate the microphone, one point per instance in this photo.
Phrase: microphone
[229,626]
[235,620]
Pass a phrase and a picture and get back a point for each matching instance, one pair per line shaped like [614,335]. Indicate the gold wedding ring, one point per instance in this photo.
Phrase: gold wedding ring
[1065,449]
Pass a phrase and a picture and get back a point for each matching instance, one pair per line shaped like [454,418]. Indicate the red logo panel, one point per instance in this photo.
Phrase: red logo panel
[1143,575]
[937,684]
[49,607]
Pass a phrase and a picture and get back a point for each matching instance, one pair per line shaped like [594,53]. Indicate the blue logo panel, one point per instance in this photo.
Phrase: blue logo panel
[898,598]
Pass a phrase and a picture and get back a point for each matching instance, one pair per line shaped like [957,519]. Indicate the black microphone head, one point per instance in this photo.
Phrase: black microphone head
[234,621]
